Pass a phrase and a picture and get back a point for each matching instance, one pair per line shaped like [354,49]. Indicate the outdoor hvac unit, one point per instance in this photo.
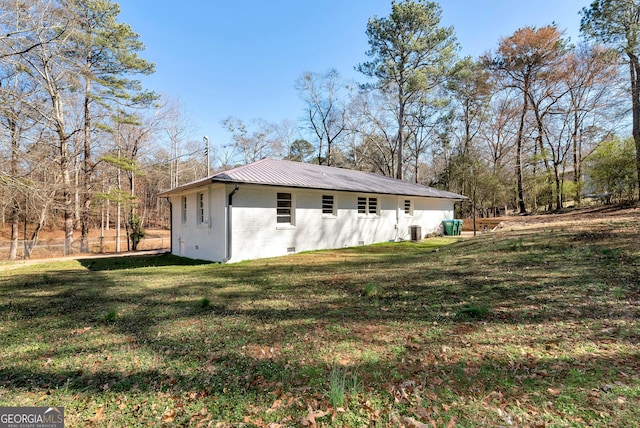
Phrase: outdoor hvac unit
[416,233]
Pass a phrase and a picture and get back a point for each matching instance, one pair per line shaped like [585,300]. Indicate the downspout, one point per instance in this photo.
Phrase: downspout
[170,224]
[398,219]
[228,225]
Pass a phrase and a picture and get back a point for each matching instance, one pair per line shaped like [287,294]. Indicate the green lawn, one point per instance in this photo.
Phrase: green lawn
[528,327]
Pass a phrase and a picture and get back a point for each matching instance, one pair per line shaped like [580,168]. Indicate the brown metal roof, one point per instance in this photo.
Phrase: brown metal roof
[304,175]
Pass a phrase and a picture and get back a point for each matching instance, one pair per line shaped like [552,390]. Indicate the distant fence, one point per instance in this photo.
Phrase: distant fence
[48,248]
[482,224]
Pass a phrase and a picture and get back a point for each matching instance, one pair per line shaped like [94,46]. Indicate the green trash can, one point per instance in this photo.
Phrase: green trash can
[448,227]
[457,228]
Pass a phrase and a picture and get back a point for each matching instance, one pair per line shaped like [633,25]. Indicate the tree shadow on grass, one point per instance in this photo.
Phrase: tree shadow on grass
[267,304]
[424,285]
[585,385]
[134,262]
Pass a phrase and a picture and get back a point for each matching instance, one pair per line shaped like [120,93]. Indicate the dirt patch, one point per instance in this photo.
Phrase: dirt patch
[616,218]
[605,232]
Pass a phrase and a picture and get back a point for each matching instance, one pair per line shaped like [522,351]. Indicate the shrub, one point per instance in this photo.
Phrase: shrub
[611,170]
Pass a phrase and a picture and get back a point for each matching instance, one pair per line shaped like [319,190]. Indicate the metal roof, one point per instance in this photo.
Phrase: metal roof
[285,173]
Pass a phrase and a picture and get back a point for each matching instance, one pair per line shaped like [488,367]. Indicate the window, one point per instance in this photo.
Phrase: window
[367,206]
[200,199]
[362,205]
[373,206]
[328,206]
[184,209]
[284,209]
[408,207]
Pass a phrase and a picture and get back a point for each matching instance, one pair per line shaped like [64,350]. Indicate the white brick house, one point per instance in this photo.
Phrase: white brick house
[274,207]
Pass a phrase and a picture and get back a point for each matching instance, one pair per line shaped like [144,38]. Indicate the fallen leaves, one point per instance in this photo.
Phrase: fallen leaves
[554,391]
[565,337]
[310,419]
[98,416]
[169,415]
[411,422]
[402,391]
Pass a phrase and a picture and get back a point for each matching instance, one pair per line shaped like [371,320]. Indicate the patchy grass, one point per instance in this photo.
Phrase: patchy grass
[531,326]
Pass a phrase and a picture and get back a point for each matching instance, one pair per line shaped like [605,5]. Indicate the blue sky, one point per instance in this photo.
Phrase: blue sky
[242,58]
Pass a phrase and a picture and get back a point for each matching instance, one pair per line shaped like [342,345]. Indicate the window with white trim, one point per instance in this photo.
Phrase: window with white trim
[284,210]
[362,205]
[200,208]
[373,206]
[183,204]
[408,207]
[328,205]
[368,206]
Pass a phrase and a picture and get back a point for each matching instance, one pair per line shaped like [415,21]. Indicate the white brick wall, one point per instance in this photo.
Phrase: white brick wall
[256,234]
[200,241]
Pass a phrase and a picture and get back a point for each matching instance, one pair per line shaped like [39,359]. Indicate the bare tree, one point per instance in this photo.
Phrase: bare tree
[426,119]
[593,73]
[177,126]
[49,68]
[258,142]
[616,24]
[499,133]
[16,34]
[375,146]
[521,60]
[325,111]
[286,133]
[15,120]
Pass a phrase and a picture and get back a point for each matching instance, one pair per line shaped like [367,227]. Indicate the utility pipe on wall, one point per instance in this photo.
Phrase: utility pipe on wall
[229,224]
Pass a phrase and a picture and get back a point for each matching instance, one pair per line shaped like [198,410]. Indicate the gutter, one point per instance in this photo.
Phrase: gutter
[229,224]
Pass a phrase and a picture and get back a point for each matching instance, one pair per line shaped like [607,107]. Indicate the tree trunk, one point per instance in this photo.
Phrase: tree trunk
[31,243]
[555,156]
[400,140]
[15,230]
[519,138]
[68,218]
[634,68]
[15,207]
[63,163]
[577,169]
[556,174]
[67,194]
[119,205]
[87,170]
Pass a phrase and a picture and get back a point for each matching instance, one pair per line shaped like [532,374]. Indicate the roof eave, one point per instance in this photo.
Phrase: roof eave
[211,180]
[188,186]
